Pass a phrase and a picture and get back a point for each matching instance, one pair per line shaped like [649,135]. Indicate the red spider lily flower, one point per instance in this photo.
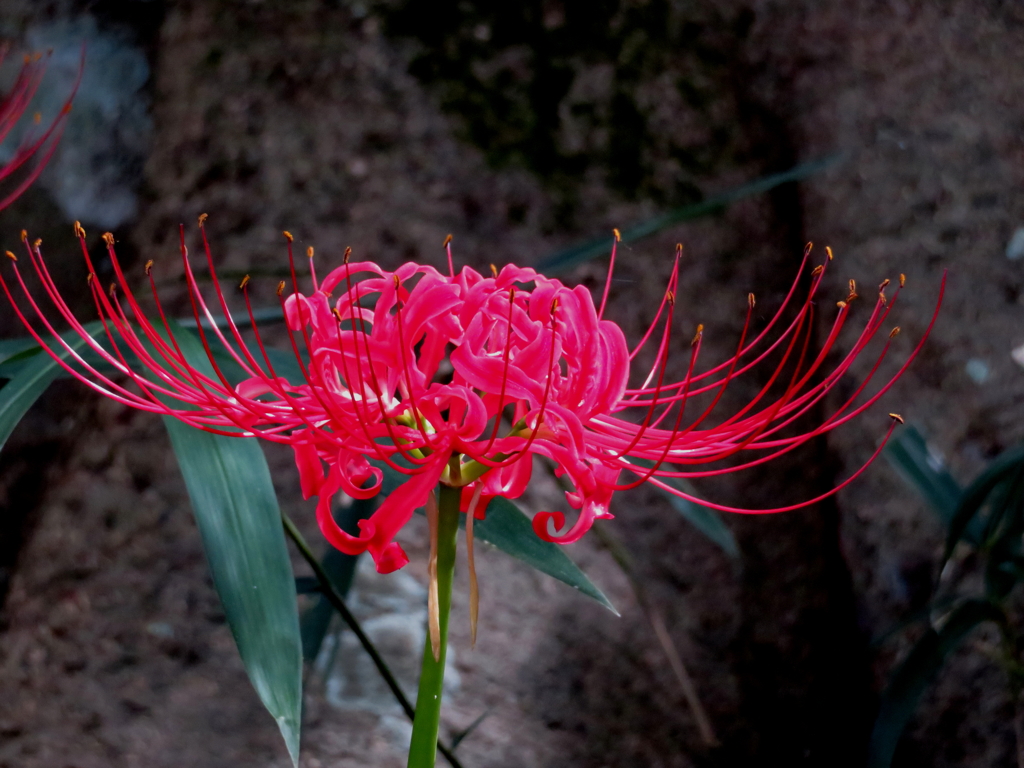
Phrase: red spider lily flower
[31,156]
[462,379]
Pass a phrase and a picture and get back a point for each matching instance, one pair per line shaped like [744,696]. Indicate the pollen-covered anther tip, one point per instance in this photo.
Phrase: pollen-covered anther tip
[853,286]
[79,231]
[903,280]
[202,218]
[679,249]
[894,332]
[398,282]
[280,288]
[896,417]
[494,271]
[149,266]
[288,236]
[671,297]
[883,284]
[828,250]
[881,297]
[841,304]
[245,282]
[108,238]
[89,278]
[11,256]
[24,235]
[348,254]
[618,236]
[751,301]
[37,242]
[807,249]
[697,336]
[112,289]
[817,270]
[447,241]
[309,252]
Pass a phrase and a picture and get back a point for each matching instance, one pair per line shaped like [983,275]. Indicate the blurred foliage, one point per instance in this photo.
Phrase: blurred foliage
[981,568]
[625,90]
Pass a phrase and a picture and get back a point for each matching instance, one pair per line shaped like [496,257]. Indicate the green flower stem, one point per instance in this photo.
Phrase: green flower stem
[428,701]
[336,600]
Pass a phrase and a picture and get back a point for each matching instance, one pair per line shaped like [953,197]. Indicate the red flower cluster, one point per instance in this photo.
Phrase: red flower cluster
[462,379]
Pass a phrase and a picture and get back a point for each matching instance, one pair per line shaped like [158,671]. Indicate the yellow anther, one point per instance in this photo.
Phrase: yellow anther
[202,218]
[494,271]
[618,237]
[149,266]
[851,297]
[288,236]
[37,242]
[89,278]
[512,293]
[853,286]
[679,249]
[894,332]
[697,336]
[841,304]
[807,249]
[336,313]
[554,306]
[881,297]
[751,302]
[447,240]
[348,253]
[24,236]
[883,284]
[671,296]
[108,238]
[903,280]
[245,282]
[309,252]
[280,288]
[79,232]
[112,290]
[896,417]
[817,270]
[11,256]
[398,283]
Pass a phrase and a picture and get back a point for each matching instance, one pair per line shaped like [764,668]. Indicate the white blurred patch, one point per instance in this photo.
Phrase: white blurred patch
[98,165]
[1018,355]
[1015,248]
[977,370]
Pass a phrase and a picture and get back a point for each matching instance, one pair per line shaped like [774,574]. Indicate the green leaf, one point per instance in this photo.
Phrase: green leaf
[909,455]
[509,529]
[704,519]
[913,676]
[239,520]
[562,261]
[974,496]
[29,382]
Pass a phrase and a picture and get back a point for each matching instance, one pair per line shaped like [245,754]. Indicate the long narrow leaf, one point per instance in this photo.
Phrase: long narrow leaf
[913,676]
[975,495]
[704,519]
[239,520]
[28,383]
[909,455]
[562,261]
[507,528]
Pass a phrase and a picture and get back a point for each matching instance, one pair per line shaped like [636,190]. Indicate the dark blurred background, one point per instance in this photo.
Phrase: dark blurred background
[523,128]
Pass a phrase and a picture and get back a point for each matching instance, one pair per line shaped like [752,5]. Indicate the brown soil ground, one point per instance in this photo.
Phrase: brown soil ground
[113,647]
